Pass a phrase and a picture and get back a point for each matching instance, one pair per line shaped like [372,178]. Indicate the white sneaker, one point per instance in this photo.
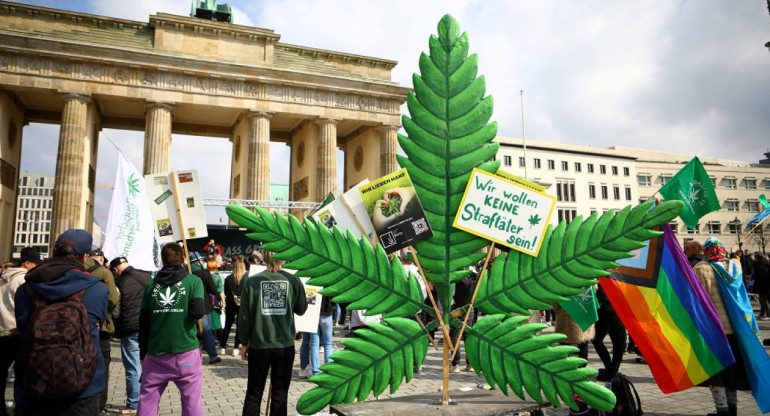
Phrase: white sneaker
[236,352]
[305,372]
[455,368]
[222,351]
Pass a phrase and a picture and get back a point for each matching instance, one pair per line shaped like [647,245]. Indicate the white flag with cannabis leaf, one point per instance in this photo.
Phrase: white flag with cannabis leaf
[129,230]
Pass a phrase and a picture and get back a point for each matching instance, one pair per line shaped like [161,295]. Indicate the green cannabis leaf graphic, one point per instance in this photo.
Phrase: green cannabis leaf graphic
[534,220]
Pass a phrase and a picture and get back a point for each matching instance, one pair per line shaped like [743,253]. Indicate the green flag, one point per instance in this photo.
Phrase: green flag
[692,186]
[582,308]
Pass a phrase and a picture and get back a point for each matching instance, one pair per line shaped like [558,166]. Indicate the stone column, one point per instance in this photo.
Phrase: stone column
[157,138]
[71,174]
[388,149]
[327,158]
[258,162]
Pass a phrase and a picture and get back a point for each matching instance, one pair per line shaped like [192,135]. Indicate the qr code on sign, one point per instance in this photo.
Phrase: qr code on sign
[420,226]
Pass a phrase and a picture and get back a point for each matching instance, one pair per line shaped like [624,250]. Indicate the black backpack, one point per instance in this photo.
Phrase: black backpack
[58,358]
[628,403]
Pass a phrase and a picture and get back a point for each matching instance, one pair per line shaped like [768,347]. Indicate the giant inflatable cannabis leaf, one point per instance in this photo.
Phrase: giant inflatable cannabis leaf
[448,135]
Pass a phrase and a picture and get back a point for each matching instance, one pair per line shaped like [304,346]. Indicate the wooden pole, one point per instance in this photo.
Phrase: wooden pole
[422,325]
[184,233]
[269,394]
[444,328]
[445,396]
[473,299]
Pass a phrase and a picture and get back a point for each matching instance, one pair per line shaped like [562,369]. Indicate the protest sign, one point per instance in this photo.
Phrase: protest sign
[395,211]
[347,213]
[163,206]
[309,321]
[505,212]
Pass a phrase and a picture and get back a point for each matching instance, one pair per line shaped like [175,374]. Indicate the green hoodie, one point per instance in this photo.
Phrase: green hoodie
[269,301]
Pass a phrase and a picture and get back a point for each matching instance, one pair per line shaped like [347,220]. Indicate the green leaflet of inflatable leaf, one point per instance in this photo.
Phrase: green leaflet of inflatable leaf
[508,354]
[447,136]
[382,355]
[350,270]
[571,257]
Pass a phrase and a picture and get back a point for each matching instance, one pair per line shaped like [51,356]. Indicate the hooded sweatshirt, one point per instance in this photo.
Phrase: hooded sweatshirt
[56,279]
[171,305]
[10,281]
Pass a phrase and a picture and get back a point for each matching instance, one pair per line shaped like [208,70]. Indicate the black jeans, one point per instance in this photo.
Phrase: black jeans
[231,313]
[9,348]
[609,323]
[279,361]
[104,345]
[79,407]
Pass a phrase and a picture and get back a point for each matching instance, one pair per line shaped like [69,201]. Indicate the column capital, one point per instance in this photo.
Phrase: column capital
[260,113]
[386,128]
[325,121]
[84,97]
[159,104]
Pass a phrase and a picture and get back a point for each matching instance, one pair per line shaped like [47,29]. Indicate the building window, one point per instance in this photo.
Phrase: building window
[522,161]
[767,183]
[591,191]
[615,170]
[674,226]
[551,164]
[751,184]
[714,228]
[565,191]
[616,192]
[602,169]
[592,211]
[729,183]
[578,168]
[567,215]
[713,180]
[604,192]
[537,163]
[694,230]
[732,205]
[664,179]
[507,160]
[590,167]
[752,205]
[732,228]
[626,171]
[644,180]
[564,165]
[628,193]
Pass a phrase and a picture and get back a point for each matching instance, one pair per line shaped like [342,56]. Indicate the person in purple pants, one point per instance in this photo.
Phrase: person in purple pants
[171,305]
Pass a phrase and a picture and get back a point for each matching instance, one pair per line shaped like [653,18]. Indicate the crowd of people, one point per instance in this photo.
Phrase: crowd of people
[162,321]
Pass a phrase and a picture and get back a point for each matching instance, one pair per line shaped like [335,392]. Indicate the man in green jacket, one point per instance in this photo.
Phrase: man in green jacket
[269,301]
[95,266]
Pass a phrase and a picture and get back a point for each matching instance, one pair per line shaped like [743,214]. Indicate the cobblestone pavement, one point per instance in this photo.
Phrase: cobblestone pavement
[225,384]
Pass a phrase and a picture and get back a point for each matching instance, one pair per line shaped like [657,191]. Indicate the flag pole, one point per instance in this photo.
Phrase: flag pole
[523,134]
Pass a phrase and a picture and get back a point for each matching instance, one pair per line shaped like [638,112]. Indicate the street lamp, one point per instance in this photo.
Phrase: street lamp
[737,223]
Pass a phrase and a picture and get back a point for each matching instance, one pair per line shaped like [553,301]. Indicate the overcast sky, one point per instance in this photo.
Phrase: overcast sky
[689,77]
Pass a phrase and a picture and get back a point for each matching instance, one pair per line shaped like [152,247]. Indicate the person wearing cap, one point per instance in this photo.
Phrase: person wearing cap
[57,278]
[131,283]
[210,289]
[10,281]
[95,265]
[171,305]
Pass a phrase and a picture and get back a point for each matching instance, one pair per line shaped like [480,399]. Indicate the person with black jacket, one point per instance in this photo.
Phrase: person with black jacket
[210,289]
[131,283]
[233,284]
[608,323]
[761,275]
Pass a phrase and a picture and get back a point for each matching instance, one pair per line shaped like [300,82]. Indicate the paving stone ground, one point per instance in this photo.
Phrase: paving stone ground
[225,385]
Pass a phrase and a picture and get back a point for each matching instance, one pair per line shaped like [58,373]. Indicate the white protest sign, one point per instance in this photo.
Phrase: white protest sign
[506,212]
[347,213]
[309,321]
[163,206]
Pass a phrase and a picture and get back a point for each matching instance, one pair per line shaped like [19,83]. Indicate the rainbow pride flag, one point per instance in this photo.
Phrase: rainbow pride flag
[669,315]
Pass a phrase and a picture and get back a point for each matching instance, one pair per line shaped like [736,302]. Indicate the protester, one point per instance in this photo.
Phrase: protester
[212,248]
[575,336]
[725,384]
[269,301]
[218,301]
[10,281]
[312,342]
[693,249]
[761,270]
[210,289]
[171,305]
[131,283]
[60,279]
[233,303]
[608,323]
[95,266]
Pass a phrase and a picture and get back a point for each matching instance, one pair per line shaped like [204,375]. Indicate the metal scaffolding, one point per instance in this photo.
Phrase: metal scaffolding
[278,205]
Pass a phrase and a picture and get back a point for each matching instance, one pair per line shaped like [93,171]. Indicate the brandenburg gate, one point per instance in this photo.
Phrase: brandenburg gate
[184,75]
